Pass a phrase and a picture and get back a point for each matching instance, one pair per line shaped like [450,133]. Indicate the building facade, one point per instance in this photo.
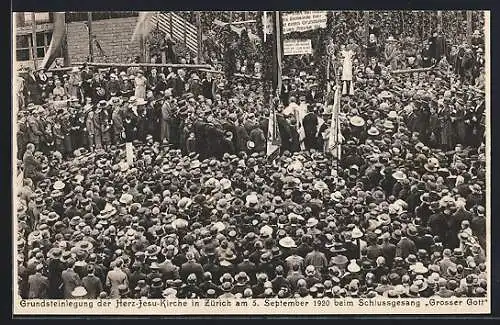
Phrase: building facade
[111,34]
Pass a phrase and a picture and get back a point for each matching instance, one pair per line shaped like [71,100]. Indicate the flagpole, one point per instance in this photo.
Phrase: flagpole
[33,38]
[278,52]
[273,139]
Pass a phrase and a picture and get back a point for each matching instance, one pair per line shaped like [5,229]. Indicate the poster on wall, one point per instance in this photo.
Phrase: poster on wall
[297,46]
[303,21]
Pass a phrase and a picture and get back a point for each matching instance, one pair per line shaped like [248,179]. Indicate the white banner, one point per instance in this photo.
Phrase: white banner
[303,21]
[297,46]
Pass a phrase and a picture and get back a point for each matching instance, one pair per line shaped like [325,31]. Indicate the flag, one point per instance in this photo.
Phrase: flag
[299,116]
[58,36]
[335,137]
[273,135]
[142,28]
[267,25]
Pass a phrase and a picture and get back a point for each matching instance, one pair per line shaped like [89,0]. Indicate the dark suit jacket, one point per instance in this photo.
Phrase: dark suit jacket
[191,267]
[169,271]
[93,285]
[405,247]
[249,268]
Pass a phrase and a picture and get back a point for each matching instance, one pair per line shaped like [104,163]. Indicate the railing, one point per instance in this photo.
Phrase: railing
[180,29]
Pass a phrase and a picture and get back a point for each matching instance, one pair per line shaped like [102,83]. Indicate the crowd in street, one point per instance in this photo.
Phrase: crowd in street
[203,213]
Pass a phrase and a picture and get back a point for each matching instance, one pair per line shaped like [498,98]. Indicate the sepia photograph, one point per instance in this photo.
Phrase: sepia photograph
[251,162]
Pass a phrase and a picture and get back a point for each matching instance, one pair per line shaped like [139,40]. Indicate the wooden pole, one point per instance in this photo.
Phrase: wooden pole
[200,37]
[33,40]
[91,47]
[141,47]
[469,27]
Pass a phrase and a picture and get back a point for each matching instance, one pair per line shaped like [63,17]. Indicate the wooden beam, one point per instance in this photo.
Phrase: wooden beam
[246,76]
[238,22]
[165,65]
[211,71]
[412,70]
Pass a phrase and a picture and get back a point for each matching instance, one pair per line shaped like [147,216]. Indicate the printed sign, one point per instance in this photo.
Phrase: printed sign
[297,46]
[303,21]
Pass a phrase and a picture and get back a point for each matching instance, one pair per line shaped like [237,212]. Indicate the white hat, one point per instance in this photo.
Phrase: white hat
[79,292]
[356,233]
[353,267]
[357,121]
[58,185]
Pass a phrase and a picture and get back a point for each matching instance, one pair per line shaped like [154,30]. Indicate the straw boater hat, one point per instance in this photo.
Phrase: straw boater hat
[84,245]
[392,115]
[419,268]
[398,175]
[287,242]
[388,124]
[58,185]
[357,121]
[373,131]
[79,292]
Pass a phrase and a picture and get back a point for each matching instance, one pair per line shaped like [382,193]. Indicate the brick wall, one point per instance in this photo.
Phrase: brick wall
[114,35]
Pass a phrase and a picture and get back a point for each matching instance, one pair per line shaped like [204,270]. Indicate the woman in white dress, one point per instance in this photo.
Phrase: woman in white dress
[347,84]
[140,85]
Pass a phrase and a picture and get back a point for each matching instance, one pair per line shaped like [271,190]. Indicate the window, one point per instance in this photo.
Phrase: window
[40,17]
[24,46]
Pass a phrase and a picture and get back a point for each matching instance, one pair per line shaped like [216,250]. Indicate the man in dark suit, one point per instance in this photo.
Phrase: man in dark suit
[191,266]
[285,91]
[207,86]
[168,270]
[313,95]
[388,249]
[284,131]
[310,124]
[179,83]
[248,267]
[38,284]
[405,247]
[92,283]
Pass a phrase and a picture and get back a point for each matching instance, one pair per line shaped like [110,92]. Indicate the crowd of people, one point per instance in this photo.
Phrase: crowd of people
[202,212]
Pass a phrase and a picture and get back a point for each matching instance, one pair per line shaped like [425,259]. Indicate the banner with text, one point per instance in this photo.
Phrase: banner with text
[297,46]
[303,21]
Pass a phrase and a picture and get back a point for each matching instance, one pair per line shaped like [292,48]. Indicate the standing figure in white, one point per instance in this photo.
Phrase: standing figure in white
[347,84]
